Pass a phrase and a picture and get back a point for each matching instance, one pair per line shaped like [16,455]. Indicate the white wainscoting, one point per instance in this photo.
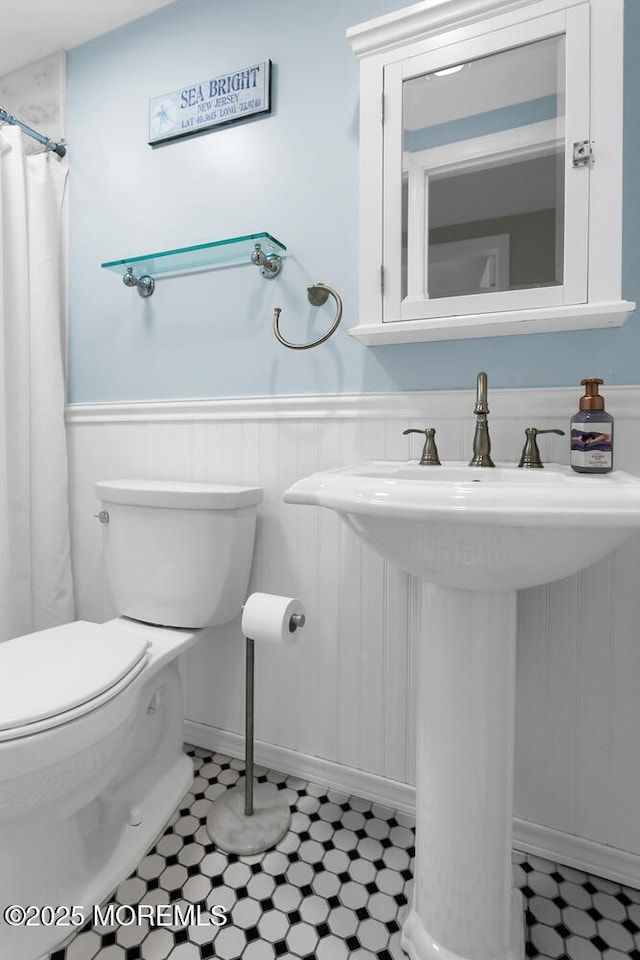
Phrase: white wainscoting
[338,706]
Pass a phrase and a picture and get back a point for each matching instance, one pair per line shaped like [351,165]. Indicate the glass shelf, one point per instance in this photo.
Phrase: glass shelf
[259,248]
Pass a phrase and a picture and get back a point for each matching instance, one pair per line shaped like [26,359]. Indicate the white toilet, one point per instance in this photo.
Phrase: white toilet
[91,757]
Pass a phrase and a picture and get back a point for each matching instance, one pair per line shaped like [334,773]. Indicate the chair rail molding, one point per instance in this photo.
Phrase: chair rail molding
[507,402]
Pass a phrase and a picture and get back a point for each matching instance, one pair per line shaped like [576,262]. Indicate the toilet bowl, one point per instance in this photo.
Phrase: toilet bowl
[91,757]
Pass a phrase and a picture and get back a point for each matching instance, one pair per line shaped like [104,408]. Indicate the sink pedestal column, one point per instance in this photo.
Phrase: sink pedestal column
[463,905]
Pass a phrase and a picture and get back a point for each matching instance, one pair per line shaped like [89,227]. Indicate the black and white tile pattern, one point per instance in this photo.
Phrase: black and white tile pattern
[335,888]
[573,916]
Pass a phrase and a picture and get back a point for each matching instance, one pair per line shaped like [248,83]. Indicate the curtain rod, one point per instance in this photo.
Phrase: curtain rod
[49,144]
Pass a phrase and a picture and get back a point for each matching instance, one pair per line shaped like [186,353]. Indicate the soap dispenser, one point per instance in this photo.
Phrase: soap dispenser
[592,432]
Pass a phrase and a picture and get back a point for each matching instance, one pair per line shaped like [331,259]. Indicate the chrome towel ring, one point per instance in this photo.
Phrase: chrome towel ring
[318,294]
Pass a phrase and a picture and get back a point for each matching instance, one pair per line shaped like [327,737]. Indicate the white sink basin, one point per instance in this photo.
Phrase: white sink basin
[479,528]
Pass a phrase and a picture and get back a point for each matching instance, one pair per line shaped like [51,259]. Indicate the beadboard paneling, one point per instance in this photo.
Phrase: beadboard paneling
[344,694]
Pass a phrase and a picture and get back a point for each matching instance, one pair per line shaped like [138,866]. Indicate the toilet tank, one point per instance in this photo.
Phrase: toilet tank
[178,554]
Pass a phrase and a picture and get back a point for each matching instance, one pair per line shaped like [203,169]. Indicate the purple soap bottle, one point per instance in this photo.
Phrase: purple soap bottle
[591,432]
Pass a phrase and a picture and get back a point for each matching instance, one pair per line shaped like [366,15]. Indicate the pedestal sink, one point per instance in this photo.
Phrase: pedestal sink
[474,536]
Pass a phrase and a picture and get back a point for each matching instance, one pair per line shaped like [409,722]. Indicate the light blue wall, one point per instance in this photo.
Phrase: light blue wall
[294,174]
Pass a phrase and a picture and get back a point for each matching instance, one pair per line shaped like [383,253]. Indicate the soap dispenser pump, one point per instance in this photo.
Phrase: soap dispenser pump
[592,432]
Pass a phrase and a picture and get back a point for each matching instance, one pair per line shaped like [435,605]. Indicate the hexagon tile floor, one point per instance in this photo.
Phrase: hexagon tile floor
[335,888]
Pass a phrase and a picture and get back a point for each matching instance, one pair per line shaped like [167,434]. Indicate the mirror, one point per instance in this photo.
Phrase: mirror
[483,174]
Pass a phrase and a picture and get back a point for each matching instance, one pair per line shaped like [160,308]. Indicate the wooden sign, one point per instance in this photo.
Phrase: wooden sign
[211,103]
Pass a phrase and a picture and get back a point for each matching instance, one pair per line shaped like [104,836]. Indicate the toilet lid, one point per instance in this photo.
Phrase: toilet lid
[45,674]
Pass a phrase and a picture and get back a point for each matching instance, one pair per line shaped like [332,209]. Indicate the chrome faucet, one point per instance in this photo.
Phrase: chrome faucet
[481,439]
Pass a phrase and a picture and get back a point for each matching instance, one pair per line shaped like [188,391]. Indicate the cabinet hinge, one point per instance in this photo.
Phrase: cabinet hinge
[382,108]
[583,153]
[381,279]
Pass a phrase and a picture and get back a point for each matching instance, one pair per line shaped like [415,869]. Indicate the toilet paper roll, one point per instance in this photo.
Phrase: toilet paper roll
[267,617]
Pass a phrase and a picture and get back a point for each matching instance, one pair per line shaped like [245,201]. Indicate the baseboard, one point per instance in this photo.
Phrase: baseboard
[326,773]
[597,859]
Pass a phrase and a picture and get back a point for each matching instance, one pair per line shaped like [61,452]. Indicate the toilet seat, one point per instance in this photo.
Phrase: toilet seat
[54,676]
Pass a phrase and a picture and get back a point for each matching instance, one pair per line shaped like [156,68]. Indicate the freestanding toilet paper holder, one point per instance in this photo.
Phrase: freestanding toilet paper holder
[250,817]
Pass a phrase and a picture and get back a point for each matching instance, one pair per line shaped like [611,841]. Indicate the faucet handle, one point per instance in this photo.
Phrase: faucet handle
[429,456]
[530,454]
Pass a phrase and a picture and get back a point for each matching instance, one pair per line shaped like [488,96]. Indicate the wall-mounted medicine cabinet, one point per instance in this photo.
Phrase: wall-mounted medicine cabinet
[490,169]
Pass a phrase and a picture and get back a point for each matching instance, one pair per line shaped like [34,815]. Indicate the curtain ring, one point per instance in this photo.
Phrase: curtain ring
[317,295]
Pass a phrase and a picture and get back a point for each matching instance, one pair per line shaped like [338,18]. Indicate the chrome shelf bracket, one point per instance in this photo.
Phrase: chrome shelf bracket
[270,263]
[145,284]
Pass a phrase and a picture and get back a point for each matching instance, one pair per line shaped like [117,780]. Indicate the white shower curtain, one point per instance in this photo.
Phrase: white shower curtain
[36,588]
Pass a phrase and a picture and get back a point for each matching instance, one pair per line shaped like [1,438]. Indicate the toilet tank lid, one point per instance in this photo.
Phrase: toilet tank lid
[178,494]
